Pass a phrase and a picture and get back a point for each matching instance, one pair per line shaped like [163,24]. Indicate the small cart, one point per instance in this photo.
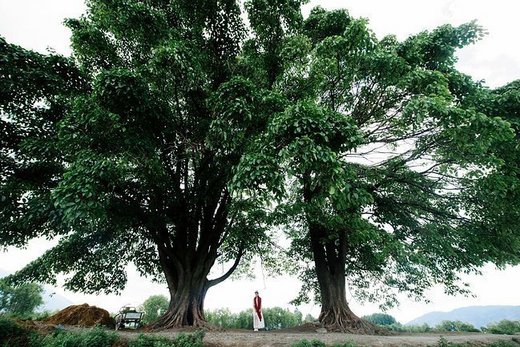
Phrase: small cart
[128,316]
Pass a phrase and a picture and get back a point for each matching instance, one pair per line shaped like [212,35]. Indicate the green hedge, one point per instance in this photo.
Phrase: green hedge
[14,335]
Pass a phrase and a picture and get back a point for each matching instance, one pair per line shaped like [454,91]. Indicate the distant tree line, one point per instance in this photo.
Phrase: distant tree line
[507,327]
[275,318]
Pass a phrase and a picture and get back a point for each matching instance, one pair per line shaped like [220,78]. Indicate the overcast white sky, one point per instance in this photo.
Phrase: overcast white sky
[37,24]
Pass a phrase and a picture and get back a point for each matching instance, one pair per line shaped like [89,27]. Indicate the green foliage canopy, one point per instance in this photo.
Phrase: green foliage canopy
[20,300]
[505,326]
[386,160]
[124,152]
[153,307]
[380,319]
[171,135]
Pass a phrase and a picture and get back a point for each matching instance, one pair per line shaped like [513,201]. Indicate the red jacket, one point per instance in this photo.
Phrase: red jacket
[257,304]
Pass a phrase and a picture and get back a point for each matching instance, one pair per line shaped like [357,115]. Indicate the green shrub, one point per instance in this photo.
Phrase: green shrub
[504,344]
[12,334]
[309,318]
[279,318]
[506,327]
[96,337]
[275,318]
[151,341]
[448,325]
[244,319]
[182,340]
[20,300]
[380,319]
[445,343]
[424,328]
[42,315]
[307,343]
[190,340]
[154,307]
[223,318]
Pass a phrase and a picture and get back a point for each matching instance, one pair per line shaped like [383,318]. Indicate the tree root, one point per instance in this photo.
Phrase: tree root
[343,320]
[175,320]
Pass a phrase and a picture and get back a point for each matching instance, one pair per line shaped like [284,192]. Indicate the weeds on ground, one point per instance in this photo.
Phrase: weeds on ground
[445,343]
[307,343]
[317,343]
[182,340]
[504,344]
[12,334]
[96,337]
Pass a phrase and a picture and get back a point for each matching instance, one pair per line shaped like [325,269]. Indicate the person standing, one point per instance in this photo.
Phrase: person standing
[258,319]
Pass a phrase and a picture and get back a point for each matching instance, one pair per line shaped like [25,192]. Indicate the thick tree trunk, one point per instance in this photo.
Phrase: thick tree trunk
[329,258]
[188,284]
[335,313]
[186,307]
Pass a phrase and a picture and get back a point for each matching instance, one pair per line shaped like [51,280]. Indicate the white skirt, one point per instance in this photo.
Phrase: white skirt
[257,323]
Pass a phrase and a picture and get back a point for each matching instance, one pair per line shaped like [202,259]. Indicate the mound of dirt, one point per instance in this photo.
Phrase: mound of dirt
[82,315]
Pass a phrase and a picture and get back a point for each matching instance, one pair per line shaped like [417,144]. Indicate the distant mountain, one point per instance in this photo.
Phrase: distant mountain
[478,316]
[51,300]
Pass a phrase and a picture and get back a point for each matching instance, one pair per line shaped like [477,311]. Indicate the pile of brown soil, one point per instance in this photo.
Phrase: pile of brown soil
[82,315]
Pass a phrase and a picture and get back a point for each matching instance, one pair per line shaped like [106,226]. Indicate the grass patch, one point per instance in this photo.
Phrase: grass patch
[182,340]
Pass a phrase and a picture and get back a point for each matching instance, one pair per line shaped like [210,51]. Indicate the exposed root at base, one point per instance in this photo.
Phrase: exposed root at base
[198,325]
[347,322]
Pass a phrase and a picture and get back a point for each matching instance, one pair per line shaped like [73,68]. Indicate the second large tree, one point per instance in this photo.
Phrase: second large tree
[388,164]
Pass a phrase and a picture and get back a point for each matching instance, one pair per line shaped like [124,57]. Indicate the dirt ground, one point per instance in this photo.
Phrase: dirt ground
[80,317]
[243,338]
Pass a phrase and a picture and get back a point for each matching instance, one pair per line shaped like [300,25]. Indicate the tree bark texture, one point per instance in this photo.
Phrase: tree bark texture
[329,249]
[329,258]
[187,244]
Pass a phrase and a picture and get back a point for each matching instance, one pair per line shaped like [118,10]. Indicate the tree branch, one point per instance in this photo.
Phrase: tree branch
[222,278]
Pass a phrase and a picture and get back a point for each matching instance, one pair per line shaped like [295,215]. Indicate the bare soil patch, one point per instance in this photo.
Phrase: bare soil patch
[244,338]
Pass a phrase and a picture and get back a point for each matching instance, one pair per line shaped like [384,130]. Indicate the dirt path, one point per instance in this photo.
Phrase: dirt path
[286,339]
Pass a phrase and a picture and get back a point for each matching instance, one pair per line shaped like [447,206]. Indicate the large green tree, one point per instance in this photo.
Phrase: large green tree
[124,151]
[172,129]
[21,300]
[391,169]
